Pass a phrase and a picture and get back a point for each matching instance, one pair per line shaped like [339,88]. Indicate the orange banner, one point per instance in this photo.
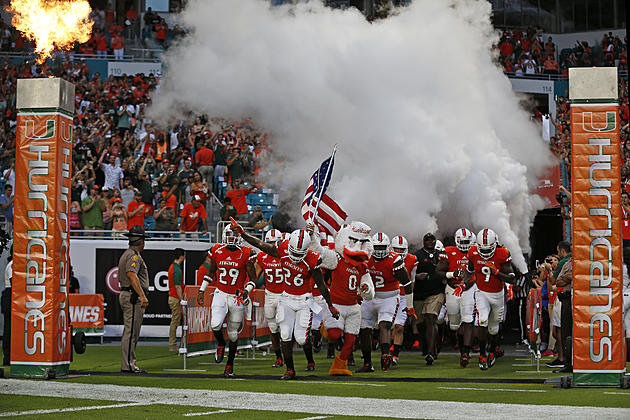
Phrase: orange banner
[87,312]
[40,340]
[597,244]
[534,315]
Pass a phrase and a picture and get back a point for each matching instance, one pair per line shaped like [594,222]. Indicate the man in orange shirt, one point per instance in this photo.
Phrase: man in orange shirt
[118,45]
[191,213]
[238,197]
[205,159]
[136,211]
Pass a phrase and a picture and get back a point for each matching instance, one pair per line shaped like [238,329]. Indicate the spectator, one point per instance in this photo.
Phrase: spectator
[165,217]
[75,216]
[127,193]
[118,45]
[136,211]
[205,161]
[9,174]
[171,179]
[220,168]
[113,173]
[160,32]
[6,207]
[101,44]
[238,196]
[199,187]
[529,65]
[119,216]
[256,219]
[190,216]
[93,208]
[168,196]
[237,163]
[228,210]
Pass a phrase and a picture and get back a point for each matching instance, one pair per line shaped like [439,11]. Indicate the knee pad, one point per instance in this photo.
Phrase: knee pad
[233,329]
[454,324]
[493,329]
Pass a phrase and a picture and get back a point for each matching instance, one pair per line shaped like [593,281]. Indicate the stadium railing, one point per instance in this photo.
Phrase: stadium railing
[154,235]
[140,55]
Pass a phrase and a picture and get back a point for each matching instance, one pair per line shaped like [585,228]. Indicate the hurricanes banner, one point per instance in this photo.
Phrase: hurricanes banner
[87,313]
[40,340]
[598,339]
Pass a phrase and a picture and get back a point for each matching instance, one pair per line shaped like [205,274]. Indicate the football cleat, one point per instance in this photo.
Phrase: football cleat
[430,359]
[386,362]
[366,368]
[218,357]
[483,363]
[279,363]
[395,360]
[463,360]
[547,353]
[310,367]
[228,372]
[491,359]
[289,376]
[317,346]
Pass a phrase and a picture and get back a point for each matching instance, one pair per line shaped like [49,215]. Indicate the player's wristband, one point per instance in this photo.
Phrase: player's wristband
[249,286]
[204,285]
[409,300]
[449,275]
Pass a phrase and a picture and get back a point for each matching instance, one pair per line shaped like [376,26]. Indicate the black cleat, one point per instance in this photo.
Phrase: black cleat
[218,357]
[289,376]
[483,363]
[430,359]
[310,367]
[366,368]
[228,372]
[491,359]
[279,363]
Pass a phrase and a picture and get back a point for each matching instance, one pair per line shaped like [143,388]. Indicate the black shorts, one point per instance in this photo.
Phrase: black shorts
[546,322]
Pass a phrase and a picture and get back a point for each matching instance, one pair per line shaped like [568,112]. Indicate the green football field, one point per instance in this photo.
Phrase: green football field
[97,389]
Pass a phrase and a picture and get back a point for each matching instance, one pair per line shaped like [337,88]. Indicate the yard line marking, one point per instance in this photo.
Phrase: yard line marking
[523,365]
[493,389]
[185,370]
[533,371]
[344,383]
[63,410]
[303,404]
[207,413]
[627,394]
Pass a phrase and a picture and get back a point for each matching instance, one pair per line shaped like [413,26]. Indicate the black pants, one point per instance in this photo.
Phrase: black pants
[566,328]
[5,303]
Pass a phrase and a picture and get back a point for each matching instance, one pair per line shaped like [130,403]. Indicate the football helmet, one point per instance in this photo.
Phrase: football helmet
[299,241]
[286,236]
[273,236]
[464,239]
[229,237]
[400,246]
[381,243]
[439,245]
[487,243]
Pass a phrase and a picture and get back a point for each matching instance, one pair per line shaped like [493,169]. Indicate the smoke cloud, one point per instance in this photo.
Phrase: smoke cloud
[430,135]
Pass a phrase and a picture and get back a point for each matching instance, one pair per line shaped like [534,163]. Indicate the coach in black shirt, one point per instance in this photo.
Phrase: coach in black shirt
[428,292]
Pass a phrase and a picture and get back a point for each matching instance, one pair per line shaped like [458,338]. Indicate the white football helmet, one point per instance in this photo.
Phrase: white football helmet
[273,236]
[400,246]
[299,241]
[487,243]
[464,239]
[286,236]
[230,238]
[381,243]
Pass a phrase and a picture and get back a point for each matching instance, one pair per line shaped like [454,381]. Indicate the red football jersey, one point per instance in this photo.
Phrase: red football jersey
[297,276]
[273,272]
[382,272]
[345,280]
[484,278]
[411,262]
[231,273]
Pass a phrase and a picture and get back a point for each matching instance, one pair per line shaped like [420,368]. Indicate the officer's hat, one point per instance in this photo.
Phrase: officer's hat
[136,232]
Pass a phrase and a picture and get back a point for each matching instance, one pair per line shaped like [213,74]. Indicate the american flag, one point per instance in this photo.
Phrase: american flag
[330,216]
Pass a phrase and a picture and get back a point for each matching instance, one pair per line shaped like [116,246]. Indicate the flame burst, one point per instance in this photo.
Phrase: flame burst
[52,24]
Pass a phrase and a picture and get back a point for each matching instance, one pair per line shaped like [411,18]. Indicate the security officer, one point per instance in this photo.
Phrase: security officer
[134,284]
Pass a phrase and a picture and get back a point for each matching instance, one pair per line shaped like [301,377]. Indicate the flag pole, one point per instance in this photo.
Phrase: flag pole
[321,193]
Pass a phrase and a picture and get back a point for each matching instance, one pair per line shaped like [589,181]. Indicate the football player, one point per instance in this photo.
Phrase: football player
[349,278]
[274,281]
[460,297]
[301,268]
[489,266]
[388,273]
[230,265]
[401,247]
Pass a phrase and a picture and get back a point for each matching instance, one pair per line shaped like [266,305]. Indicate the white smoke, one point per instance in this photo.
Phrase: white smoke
[431,136]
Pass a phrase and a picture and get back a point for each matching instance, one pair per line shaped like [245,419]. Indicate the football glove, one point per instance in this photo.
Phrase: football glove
[493,268]
[458,274]
[236,228]
[334,311]
[241,297]
[411,313]
[459,289]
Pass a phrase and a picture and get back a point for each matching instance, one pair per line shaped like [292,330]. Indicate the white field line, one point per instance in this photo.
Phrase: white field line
[64,410]
[523,365]
[306,404]
[207,413]
[627,394]
[493,389]
[344,383]
[185,370]
[315,418]
[533,371]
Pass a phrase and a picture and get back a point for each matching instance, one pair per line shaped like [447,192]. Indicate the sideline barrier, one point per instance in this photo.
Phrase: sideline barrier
[87,314]
[197,336]
[534,322]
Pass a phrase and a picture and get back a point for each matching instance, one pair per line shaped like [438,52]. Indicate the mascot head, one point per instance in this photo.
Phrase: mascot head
[353,242]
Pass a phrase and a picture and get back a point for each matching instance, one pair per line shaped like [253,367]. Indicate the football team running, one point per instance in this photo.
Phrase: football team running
[353,284]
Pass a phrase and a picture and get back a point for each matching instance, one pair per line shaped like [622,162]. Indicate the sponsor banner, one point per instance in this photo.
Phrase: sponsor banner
[40,338]
[598,343]
[200,339]
[87,312]
[118,68]
[158,261]
[549,186]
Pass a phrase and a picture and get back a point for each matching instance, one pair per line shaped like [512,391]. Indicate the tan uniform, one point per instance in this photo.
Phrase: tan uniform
[131,261]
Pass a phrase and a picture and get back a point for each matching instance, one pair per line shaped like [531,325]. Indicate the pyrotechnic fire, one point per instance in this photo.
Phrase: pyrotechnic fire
[52,24]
